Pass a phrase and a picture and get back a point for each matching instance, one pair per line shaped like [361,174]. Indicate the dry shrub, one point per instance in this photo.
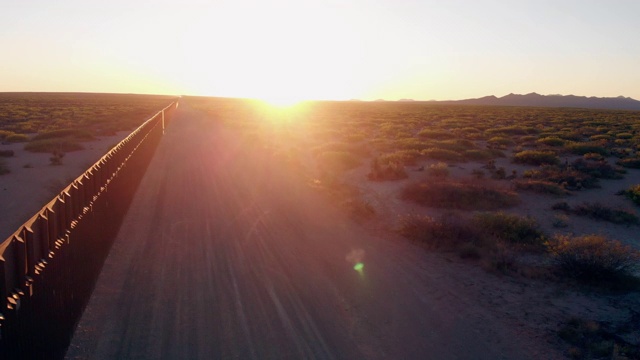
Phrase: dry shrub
[442,154]
[601,212]
[461,195]
[551,141]
[590,340]
[5,133]
[536,157]
[436,134]
[478,155]
[439,170]
[77,134]
[633,193]
[15,138]
[633,163]
[51,145]
[597,169]
[405,157]
[541,187]
[579,148]
[569,178]
[389,171]
[509,228]
[593,257]
[447,231]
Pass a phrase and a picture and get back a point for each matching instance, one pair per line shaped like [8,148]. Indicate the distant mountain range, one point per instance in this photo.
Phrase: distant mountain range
[533,99]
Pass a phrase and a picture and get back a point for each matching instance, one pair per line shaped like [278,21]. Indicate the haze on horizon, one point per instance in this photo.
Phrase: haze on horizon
[296,49]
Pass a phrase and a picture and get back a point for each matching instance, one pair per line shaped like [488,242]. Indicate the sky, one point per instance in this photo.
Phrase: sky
[298,49]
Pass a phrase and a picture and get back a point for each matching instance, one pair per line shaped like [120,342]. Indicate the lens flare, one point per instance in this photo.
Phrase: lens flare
[358,267]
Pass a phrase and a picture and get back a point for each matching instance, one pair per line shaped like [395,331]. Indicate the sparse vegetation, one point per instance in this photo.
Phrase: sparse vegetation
[633,193]
[536,157]
[591,340]
[551,141]
[446,232]
[593,257]
[442,155]
[16,138]
[411,135]
[586,148]
[76,134]
[633,163]
[512,229]
[51,145]
[541,187]
[388,171]
[439,170]
[465,195]
[601,212]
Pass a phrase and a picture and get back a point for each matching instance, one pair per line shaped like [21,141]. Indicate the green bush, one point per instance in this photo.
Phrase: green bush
[593,257]
[509,228]
[51,145]
[471,195]
[536,157]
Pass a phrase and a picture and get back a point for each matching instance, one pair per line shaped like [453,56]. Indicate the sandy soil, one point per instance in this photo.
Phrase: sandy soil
[33,181]
[384,195]
[224,255]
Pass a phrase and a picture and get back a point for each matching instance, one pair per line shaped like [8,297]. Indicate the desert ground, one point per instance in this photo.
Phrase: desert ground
[33,181]
[226,253]
[229,252]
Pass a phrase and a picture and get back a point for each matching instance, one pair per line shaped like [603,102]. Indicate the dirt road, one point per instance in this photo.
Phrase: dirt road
[224,256]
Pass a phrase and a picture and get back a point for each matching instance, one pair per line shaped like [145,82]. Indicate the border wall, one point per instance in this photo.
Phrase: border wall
[49,266]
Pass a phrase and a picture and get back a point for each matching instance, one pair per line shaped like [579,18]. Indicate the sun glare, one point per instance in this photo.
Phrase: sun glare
[282,101]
